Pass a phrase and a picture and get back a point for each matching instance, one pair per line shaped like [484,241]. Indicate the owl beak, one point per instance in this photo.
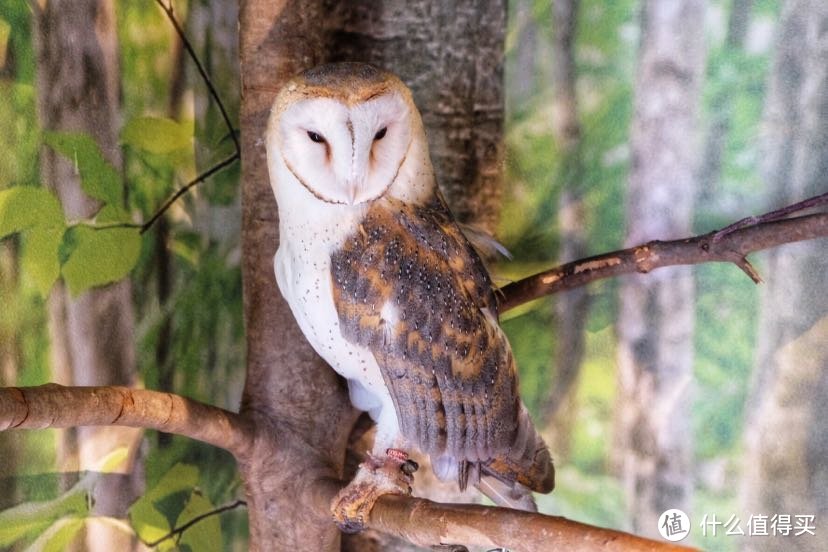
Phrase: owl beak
[351,190]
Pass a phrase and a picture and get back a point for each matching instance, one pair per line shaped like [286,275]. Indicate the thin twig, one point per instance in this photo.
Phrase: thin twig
[168,9]
[205,515]
[184,189]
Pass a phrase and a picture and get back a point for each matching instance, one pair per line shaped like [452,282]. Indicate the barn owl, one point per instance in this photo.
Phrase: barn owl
[390,293]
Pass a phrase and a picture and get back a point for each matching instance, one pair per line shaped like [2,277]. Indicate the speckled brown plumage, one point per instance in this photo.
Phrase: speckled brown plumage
[444,358]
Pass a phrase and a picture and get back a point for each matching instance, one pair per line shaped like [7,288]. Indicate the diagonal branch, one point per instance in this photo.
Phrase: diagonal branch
[732,246]
[184,189]
[56,406]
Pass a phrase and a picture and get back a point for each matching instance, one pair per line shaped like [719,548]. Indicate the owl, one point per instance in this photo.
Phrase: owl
[388,290]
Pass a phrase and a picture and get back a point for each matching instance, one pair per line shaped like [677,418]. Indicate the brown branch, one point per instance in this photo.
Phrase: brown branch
[428,523]
[56,406]
[732,246]
[179,530]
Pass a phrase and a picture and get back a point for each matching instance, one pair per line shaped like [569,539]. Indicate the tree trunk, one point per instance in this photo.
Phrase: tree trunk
[787,420]
[571,307]
[714,148]
[521,85]
[655,325]
[92,334]
[451,56]
[298,404]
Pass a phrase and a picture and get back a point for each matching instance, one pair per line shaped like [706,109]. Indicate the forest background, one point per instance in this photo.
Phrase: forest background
[733,418]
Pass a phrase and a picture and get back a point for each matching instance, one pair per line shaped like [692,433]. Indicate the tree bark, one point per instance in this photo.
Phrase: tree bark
[290,393]
[92,334]
[571,308]
[655,325]
[451,56]
[786,419]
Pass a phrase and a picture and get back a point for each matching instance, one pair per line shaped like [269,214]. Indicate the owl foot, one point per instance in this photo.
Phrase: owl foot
[377,476]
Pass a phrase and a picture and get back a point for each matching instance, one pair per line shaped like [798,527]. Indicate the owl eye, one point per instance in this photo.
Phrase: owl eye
[381,133]
[315,137]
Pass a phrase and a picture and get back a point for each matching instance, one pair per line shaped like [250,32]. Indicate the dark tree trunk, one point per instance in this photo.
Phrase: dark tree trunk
[92,334]
[655,325]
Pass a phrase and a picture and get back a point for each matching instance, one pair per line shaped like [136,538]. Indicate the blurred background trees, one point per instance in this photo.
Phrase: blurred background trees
[624,121]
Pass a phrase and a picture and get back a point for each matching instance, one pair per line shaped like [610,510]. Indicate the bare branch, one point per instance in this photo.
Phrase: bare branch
[184,189]
[56,406]
[205,515]
[732,246]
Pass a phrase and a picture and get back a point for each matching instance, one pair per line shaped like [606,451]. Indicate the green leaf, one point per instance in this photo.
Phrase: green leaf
[149,522]
[205,535]
[39,257]
[33,517]
[5,33]
[58,536]
[99,179]
[16,530]
[156,135]
[100,256]
[23,207]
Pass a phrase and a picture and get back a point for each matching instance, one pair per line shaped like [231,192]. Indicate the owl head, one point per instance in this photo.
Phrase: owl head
[346,134]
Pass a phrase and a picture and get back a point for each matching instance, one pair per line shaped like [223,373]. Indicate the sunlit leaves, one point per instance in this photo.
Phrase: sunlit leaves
[36,213]
[25,207]
[99,257]
[5,32]
[156,135]
[99,179]
[172,503]
[39,258]
[31,518]
[59,536]
[207,535]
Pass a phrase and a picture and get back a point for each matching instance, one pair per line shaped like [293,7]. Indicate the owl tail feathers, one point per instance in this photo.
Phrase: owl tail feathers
[510,479]
[514,496]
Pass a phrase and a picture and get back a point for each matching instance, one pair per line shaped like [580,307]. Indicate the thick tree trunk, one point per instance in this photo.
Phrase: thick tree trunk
[571,307]
[451,56]
[655,326]
[300,407]
[787,420]
[92,334]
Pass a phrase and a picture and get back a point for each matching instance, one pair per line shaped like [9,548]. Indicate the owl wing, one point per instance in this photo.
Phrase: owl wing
[409,286]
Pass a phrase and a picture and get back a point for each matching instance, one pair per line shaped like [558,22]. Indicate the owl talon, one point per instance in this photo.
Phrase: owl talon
[375,477]
[409,467]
